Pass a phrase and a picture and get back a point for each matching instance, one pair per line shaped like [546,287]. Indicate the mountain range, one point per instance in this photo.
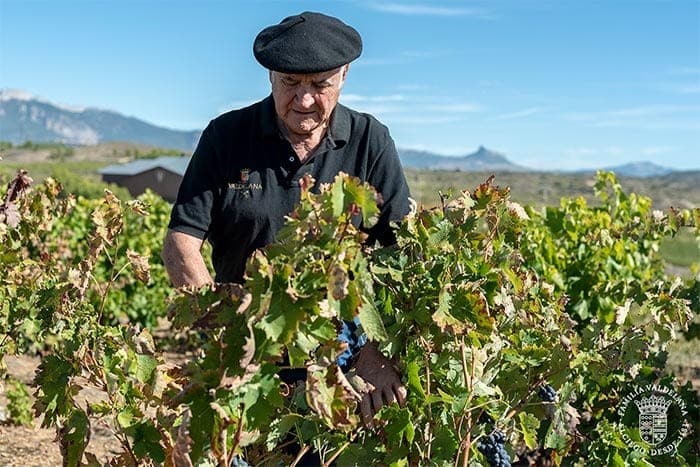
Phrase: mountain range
[24,117]
[481,160]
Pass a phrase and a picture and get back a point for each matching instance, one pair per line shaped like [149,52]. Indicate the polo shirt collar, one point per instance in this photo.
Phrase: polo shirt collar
[339,130]
[340,124]
[268,118]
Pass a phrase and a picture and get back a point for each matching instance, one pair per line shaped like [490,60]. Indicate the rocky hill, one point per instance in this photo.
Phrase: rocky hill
[480,161]
[24,117]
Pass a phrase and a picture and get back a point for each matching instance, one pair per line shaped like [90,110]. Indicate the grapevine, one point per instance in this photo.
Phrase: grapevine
[484,306]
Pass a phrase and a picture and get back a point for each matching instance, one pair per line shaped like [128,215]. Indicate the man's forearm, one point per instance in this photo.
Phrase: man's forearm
[183,261]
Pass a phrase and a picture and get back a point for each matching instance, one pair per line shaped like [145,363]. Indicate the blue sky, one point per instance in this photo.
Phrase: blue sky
[552,84]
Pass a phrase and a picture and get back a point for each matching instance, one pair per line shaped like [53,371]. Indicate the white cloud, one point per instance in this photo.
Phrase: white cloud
[360,98]
[577,152]
[655,150]
[651,110]
[693,88]
[401,58]
[649,124]
[684,70]
[413,87]
[378,108]
[430,108]
[7,94]
[429,10]
[453,108]
[653,117]
[418,120]
[520,113]
[364,61]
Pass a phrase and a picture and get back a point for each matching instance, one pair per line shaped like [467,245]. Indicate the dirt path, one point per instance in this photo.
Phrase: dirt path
[35,446]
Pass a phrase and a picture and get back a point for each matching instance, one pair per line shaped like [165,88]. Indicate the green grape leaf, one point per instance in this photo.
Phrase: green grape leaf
[147,442]
[398,425]
[337,196]
[414,382]
[528,426]
[282,320]
[52,378]
[365,198]
[126,417]
[371,322]
[73,437]
[145,368]
[279,429]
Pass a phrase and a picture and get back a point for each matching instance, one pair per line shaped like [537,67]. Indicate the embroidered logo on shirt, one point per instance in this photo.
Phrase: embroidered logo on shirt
[244,183]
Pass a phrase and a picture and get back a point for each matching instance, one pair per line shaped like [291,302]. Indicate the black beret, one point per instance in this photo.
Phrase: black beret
[307,43]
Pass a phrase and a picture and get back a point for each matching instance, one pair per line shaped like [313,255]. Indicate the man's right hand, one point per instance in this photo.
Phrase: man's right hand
[385,385]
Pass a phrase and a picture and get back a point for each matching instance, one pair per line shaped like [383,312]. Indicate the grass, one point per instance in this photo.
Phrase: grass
[682,250]
[40,170]
[77,177]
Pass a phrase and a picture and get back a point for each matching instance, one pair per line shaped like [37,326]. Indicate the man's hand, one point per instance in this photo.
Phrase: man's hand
[384,382]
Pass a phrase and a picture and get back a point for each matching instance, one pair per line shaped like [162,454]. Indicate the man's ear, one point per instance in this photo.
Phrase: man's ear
[344,74]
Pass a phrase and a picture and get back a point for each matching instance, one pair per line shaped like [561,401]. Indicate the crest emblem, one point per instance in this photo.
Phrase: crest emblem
[653,421]
[244,175]
[654,434]
[243,185]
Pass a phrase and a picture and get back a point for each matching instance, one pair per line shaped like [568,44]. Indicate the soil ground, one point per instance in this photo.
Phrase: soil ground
[35,446]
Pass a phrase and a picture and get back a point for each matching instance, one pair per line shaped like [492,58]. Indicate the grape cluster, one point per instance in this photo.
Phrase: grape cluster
[547,393]
[493,448]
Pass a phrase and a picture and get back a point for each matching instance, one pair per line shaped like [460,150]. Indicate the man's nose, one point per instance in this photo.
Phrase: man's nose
[304,97]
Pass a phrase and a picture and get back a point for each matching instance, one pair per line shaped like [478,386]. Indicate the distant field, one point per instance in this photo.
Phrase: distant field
[77,177]
[536,189]
[41,170]
[546,188]
[542,189]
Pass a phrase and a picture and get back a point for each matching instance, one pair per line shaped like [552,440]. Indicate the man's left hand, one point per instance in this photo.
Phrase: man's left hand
[385,382]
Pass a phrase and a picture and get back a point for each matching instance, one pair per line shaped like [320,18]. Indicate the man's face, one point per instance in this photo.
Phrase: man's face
[304,102]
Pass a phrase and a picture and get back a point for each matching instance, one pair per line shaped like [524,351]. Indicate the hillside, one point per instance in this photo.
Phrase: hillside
[641,169]
[680,190]
[481,160]
[109,152]
[24,117]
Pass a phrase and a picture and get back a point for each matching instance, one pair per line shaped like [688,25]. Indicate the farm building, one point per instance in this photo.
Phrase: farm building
[162,175]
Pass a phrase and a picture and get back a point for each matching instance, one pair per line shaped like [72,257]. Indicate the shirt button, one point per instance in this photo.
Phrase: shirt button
[291,159]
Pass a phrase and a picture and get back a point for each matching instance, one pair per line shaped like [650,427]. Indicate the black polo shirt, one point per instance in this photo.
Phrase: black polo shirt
[243,179]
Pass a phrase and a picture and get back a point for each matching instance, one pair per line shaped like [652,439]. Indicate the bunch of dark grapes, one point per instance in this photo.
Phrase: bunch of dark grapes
[493,448]
[547,393]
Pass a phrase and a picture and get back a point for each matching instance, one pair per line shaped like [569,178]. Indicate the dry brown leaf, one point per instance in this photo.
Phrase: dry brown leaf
[139,263]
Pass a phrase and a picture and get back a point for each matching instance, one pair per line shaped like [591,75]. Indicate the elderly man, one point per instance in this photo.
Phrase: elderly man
[244,175]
